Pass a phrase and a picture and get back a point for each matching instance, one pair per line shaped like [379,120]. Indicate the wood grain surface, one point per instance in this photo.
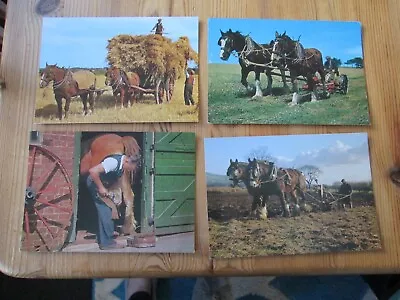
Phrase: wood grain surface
[381,25]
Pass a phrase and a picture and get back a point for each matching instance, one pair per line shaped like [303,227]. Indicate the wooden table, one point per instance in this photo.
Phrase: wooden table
[19,67]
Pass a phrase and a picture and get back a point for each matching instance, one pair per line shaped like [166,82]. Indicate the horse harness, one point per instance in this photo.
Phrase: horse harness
[67,79]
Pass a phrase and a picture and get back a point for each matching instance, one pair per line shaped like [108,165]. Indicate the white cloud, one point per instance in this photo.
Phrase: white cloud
[336,154]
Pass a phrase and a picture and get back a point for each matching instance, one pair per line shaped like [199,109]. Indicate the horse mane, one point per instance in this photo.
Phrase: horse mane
[300,52]
[131,146]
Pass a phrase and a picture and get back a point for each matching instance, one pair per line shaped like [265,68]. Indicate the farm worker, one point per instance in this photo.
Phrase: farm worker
[188,92]
[159,28]
[101,177]
[346,190]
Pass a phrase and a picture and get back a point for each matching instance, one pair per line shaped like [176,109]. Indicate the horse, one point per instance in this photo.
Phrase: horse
[121,83]
[103,146]
[68,84]
[252,57]
[237,172]
[300,61]
[271,180]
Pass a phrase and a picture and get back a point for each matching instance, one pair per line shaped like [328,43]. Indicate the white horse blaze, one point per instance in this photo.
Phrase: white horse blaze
[274,56]
[221,53]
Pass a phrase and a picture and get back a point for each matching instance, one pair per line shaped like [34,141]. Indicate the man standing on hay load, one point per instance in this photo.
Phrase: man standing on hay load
[345,191]
[102,177]
[188,92]
[159,28]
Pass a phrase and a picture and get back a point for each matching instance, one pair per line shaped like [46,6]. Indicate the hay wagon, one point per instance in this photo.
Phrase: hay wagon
[57,203]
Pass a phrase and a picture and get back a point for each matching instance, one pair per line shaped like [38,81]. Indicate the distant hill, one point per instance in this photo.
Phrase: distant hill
[219,180]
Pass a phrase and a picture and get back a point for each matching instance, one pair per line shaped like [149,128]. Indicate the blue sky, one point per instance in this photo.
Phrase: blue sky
[337,39]
[81,42]
[337,155]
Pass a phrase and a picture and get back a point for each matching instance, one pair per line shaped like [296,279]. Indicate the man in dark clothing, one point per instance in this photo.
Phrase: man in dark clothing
[188,92]
[159,28]
[102,177]
[345,190]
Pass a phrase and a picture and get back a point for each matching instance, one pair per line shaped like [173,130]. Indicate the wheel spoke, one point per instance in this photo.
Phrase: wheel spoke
[46,177]
[53,205]
[42,239]
[31,168]
[54,201]
[44,222]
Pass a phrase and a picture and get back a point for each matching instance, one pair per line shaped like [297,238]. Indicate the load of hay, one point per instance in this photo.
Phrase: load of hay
[151,56]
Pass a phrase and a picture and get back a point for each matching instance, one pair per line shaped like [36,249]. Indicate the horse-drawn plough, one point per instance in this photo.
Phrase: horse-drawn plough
[321,200]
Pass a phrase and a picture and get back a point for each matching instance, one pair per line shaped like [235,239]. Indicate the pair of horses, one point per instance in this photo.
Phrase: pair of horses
[263,179]
[283,53]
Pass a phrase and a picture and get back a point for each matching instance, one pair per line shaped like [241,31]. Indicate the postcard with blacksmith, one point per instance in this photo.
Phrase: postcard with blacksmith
[286,72]
[110,192]
[118,70]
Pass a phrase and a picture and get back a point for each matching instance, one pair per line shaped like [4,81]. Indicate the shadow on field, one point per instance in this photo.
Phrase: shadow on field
[105,101]
[50,110]
[275,91]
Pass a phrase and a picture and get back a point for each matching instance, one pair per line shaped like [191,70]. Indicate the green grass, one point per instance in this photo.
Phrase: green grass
[230,103]
[144,111]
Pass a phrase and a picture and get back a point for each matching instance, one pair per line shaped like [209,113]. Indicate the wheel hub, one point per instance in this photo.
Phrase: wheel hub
[30,197]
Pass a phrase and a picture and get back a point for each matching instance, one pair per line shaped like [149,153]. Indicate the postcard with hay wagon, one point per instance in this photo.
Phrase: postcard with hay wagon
[118,70]
[286,72]
[110,192]
[283,195]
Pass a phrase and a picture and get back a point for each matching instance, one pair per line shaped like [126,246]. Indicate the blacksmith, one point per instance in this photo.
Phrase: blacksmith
[189,83]
[102,177]
[345,191]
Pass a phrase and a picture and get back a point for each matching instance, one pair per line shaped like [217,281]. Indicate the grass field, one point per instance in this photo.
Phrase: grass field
[145,110]
[230,103]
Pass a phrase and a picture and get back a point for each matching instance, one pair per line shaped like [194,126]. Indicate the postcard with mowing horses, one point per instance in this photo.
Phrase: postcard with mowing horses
[286,72]
[118,70]
[110,192]
[283,195]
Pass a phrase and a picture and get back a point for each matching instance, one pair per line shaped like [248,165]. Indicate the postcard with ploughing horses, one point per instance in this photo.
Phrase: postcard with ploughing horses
[286,72]
[118,70]
[284,195]
[110,192]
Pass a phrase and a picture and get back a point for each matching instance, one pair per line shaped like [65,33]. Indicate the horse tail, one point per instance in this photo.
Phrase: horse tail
[131,146]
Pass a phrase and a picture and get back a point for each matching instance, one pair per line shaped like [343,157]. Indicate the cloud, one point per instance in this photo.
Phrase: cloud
[357,51]
[337,154]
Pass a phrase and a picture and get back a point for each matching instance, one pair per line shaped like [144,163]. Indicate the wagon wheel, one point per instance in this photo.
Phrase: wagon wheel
[49,199]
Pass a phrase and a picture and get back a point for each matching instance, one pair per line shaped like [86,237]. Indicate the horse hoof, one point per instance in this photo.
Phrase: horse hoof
[256,97]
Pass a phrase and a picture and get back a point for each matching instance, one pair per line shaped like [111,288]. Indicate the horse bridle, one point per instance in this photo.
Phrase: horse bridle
[117,83]
[58,84]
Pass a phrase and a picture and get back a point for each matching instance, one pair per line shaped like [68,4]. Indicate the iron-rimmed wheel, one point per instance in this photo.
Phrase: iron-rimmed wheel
[49,200]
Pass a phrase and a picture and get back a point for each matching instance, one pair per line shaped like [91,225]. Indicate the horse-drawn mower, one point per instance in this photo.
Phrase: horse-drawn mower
[340,85]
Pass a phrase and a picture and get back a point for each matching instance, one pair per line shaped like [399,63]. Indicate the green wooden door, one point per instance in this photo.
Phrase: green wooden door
[169,181]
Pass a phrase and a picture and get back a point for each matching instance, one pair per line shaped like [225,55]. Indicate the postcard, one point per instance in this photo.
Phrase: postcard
[295,194]
[118,70]
[110,192]
[265,71]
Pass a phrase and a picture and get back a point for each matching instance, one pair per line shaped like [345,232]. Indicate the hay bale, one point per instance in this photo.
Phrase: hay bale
[85,79]
[151,56]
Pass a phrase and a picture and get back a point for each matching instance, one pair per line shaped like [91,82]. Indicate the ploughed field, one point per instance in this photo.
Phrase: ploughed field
[233,233]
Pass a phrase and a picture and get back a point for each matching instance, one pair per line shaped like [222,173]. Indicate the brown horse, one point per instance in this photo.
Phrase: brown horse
[271,180]
[121,83]
[237,172]
[68,84]
[300,62]
[103,146]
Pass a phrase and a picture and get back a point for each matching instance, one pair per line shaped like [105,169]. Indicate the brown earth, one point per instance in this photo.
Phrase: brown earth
[234,234]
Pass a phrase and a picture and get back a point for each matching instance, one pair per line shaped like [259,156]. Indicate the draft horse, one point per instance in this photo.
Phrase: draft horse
[106,145]
[271,180]
[68,84]
[121,83]
[252,57]
[300,62]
